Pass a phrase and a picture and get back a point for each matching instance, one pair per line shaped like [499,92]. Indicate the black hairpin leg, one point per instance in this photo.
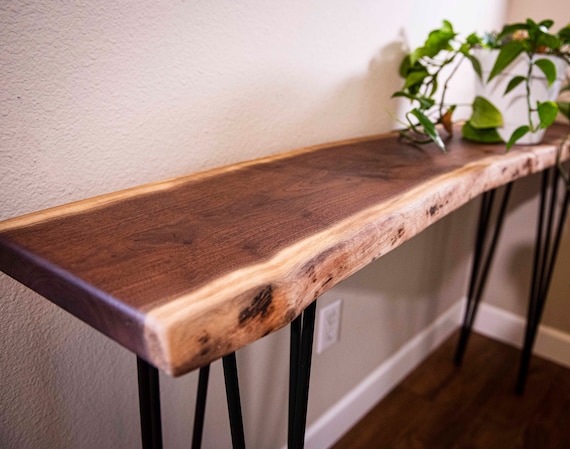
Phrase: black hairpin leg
[481,263]
[545,252]
[200,407]
[302,332]
[149,405]
[234,403]
[233,399]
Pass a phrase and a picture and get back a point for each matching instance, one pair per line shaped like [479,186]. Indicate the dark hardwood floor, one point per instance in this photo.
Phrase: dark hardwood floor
[441,406]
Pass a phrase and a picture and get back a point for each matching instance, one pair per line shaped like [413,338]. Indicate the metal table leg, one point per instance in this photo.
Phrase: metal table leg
[481,263]
[234,403]
[149,405]
[302,332]
[546,250]
[200,407]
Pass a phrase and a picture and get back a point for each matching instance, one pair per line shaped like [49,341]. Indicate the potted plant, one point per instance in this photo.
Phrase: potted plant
[508,63]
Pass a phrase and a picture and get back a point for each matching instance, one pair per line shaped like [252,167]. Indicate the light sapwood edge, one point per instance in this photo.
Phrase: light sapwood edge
[172,330]
[100,201]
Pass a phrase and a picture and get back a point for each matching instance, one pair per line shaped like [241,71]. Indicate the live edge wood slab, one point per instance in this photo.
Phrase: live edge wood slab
[187,270]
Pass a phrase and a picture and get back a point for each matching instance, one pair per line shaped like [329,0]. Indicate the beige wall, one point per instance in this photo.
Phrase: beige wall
[99,96]
[520,10]
[509,283]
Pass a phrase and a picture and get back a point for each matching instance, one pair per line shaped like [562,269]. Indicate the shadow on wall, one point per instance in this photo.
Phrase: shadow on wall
[388,302]
[520,260]
[557,310]
[358,106]
[52,394]
[371,94]
[427,274]
[257,119]
[355,107]
[519,263]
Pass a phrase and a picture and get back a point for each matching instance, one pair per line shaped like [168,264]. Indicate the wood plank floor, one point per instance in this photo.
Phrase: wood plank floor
[441,406]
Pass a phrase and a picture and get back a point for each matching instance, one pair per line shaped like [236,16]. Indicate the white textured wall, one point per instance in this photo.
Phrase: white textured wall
[99,96]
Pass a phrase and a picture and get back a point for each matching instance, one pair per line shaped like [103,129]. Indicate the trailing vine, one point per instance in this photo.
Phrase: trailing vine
[423,68]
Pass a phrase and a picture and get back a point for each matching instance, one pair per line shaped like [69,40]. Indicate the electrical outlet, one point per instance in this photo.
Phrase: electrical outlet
[329,326]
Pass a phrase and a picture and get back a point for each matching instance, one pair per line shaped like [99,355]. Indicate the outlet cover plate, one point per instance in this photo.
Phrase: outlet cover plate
[329,326]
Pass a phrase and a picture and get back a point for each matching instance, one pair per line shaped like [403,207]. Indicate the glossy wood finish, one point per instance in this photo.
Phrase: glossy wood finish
[442,406]
[185,271]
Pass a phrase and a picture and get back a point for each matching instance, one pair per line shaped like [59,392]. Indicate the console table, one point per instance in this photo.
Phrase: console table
[186,271]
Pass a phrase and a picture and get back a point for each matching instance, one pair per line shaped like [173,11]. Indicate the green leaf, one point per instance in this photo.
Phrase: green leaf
[485,114]
[476,65]
[464,48]
[546,24]
[516,135]
[548,68]
[425,103]
[547,112]
[507,55]
[564,34]
[533,28]
[548,40]
[434,85]
[564,108]
[405,66]
[417,54]
[429,127]
[473,39]
[447,26]
[514,83]
[414,78]
[510,29]
[489,135]
[439,40]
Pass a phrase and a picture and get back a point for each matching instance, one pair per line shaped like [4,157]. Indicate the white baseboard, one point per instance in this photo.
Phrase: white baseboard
[509,328]
[491,321]
[353,406]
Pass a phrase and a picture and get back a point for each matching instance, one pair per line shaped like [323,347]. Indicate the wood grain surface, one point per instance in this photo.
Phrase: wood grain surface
[474,406]
[185,271]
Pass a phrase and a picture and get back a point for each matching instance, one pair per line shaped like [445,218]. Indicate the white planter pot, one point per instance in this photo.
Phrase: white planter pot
[513,106]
